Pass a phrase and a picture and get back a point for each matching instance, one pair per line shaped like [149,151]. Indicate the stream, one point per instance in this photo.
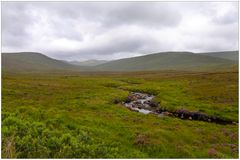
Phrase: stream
[139,102]
[144,103]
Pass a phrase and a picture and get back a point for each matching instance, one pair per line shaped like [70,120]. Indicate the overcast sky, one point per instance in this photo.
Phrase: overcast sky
[112,30]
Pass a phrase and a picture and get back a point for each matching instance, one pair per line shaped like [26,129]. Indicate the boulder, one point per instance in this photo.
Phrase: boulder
[130,99]
[153,104]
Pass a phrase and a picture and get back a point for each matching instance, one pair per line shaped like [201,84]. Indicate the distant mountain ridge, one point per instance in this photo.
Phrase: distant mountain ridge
[91,62]
[169,61]
[34,62]
[231,55]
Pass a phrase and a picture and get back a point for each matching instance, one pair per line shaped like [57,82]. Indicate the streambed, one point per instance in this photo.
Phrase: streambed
[144,103]
[139,102]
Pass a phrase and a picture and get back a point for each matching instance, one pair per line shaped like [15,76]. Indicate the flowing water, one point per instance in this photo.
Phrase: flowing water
[144,103]
[140,102]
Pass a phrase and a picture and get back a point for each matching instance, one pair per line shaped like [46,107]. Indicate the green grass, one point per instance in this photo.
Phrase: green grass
[73,115]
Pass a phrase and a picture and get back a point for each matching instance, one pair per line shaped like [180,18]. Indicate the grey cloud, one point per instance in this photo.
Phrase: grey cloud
[82,30]
[117,45]
[227,18]
[116,13]
[122,44]
[211,45]
[154,15]
[65,29]
[15,24]
[224,14]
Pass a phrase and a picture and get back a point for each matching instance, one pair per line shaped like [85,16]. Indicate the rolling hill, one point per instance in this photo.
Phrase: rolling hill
[34,62]
[168,61]
[231,55]
[31,62]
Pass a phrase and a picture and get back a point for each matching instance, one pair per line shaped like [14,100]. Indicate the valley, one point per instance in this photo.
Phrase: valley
[120,80]
[75,114]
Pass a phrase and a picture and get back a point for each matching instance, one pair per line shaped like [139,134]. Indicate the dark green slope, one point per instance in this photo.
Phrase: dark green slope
[231,55]
[167,61]
[31,61]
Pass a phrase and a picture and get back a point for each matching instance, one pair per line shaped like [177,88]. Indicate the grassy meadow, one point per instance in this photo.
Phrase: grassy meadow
[73,115]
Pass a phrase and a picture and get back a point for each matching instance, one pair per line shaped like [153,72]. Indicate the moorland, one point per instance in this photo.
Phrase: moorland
[51,111]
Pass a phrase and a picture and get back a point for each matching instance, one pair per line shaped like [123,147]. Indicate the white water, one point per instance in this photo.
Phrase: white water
[144,111]
[144,98]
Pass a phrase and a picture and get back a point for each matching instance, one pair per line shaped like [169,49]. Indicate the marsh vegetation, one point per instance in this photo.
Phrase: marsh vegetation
[74,115]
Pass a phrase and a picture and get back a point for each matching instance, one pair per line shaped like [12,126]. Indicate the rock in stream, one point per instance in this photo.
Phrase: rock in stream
[140,102]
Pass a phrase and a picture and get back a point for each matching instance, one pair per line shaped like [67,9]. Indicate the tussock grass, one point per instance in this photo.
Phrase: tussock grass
[73,116]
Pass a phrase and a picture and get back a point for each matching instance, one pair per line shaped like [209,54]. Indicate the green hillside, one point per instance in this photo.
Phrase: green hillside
[231,55]
[167,61]
[37,62]
[31,61]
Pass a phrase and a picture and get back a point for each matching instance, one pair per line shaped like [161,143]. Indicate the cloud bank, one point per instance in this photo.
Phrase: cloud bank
[113,30]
